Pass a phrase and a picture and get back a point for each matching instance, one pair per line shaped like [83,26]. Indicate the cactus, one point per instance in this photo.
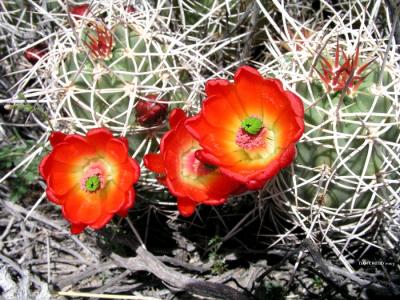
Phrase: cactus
[344,174]
[119,68]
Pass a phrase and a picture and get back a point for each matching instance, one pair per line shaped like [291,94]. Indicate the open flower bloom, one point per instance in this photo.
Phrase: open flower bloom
[191,181]
[248,128]
[90,176]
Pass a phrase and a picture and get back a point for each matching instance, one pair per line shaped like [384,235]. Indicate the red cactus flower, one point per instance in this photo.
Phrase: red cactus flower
[34,54]
[346,76]
[191,181]
[248,128]
[151,113]
[101,44]
[90,176]
[78,11]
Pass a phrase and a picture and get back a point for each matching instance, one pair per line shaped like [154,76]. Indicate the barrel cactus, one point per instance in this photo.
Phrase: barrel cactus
[344,175]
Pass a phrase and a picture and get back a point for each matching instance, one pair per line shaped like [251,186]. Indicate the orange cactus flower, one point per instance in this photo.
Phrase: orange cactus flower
[248,128]
[191,181]
[346,76]
[90,176]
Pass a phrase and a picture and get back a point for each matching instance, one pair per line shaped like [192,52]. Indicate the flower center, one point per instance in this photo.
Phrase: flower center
[249,141]
[252,125]
[93,183]
[93,178]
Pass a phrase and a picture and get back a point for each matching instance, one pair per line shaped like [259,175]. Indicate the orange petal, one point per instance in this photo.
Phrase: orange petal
[82,207]
[112,198]
[61,183]
[218,112]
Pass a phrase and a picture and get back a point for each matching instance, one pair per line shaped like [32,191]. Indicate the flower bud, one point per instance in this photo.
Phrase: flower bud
[150,112]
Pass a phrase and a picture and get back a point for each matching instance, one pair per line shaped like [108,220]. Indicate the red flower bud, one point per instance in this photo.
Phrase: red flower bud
[130,9]
[34,54]
[79,10]
[150,112]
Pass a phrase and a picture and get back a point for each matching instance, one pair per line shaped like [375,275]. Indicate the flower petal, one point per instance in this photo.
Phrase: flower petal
[175,116]
[82,207]
[117,149]
[154,162]
[127,175]
[56,137]
[61,183]
[98,137]
[186,206]
[112,198]
[129,202]
[101,222]
[44,166]
[77,228]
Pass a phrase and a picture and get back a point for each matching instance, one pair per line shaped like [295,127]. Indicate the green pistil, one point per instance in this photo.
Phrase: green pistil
[252,125]
[93,183]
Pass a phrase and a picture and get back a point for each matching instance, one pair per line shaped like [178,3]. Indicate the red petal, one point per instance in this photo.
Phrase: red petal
[186,206]
[125,141]
[53,198]
[129,202]
[56,137]
[101,222]
[297,104]
[117,149]
[44,167]
[176,116]
[215,202]
[98,137]
[247,72]
[216,86]
[77,228]
[207,158]
[287,156]
[74,151]
[128,174]
[288,129]
[154,162]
